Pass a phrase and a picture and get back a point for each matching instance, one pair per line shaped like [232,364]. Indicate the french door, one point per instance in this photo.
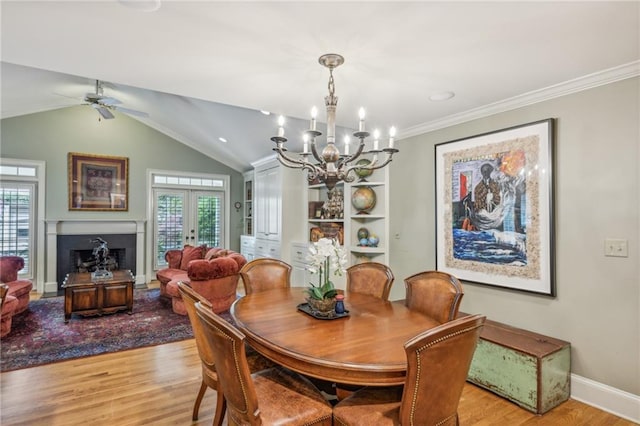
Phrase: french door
[17,222]
[184,216]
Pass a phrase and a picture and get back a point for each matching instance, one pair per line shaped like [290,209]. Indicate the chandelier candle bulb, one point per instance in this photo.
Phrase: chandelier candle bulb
[280,128]
[361,115]
[346,145]
[314,114]
[376,135]
[392,134]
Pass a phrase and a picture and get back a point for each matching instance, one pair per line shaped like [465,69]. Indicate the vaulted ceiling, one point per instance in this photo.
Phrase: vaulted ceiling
[204,69]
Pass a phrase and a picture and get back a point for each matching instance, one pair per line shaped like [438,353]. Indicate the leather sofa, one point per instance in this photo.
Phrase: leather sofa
[212,273]
[18,294]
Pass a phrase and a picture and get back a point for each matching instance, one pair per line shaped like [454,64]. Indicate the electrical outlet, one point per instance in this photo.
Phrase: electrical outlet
[616,248]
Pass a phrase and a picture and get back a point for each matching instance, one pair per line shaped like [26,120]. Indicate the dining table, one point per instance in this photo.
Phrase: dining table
[365,347]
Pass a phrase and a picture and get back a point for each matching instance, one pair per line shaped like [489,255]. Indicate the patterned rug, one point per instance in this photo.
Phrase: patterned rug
[40,336]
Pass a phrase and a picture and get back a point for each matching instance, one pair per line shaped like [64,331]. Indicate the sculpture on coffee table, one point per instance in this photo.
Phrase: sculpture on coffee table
[101,254]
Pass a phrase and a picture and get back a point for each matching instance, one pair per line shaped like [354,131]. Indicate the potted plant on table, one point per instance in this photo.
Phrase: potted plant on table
[324,256]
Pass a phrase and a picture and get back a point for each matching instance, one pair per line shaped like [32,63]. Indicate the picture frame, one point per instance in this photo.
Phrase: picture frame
[495,208]
[98,182]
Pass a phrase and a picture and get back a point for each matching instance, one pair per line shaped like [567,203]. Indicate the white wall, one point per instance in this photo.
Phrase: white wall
[597,197]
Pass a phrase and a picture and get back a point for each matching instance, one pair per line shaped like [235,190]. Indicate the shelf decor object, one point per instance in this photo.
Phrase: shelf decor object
[363,199]
[494,208]
[330,166]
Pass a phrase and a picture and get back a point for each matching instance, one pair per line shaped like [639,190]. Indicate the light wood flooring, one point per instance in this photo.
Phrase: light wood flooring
[157,386]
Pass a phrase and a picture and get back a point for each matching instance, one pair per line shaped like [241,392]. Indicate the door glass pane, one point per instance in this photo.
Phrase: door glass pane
[169,224]
[16,222]
[209,216]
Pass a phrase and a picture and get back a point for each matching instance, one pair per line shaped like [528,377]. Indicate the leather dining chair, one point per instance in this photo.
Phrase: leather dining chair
[265,274]
[370,278]
[438,362]
[209,373]
[272,396]
[435,294]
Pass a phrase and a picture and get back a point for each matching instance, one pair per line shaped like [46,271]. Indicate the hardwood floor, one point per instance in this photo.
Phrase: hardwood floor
[157,386]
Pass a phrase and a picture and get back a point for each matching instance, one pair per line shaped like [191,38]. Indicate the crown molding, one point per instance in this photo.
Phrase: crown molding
[589,81]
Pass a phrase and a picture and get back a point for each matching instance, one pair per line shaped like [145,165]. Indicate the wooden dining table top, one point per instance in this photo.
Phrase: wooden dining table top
[364,348]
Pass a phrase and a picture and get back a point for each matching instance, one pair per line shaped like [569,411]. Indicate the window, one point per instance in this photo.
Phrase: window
[18,201]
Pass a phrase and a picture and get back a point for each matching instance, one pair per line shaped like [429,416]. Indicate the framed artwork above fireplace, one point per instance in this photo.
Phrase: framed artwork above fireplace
[98,182]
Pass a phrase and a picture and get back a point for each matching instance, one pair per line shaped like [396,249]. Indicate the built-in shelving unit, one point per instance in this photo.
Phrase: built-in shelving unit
[348,220]
[249,178]
[375,221]
[325,212]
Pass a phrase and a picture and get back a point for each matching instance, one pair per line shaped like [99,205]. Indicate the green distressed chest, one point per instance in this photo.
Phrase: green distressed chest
[527,368]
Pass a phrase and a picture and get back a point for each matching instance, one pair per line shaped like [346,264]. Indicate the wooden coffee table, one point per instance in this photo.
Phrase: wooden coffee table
[86,296]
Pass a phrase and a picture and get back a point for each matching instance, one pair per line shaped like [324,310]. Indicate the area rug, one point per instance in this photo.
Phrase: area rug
[39,336]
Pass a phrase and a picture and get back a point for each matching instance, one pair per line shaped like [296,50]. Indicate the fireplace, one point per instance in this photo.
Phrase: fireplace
[75,253]
[121,234]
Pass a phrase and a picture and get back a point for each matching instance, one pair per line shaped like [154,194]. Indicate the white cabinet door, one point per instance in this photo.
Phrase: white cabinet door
[274,200]
[268,200]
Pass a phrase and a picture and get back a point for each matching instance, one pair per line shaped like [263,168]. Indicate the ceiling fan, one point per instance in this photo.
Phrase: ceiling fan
[105,104]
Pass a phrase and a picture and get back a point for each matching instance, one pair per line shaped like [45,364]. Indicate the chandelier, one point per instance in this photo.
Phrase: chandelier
[330,166]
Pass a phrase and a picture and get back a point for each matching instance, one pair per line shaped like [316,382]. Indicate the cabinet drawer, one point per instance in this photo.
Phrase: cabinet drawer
[247,242]
[266,248]
[299,254]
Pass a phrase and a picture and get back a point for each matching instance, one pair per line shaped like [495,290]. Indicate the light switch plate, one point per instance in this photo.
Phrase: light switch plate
[616,248]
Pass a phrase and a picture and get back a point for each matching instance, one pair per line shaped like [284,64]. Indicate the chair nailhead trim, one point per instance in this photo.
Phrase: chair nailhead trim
[425,347]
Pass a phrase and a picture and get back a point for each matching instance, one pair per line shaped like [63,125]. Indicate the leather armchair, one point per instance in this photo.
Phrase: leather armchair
[215,278]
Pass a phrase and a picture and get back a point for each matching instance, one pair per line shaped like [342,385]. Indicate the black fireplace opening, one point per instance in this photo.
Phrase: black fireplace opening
[85,260]
[75,253]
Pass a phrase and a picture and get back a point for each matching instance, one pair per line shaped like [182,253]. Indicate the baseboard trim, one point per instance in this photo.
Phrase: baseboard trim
[51,287]
[615,401]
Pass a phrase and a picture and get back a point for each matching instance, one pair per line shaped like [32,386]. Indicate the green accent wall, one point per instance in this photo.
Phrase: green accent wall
[50,136]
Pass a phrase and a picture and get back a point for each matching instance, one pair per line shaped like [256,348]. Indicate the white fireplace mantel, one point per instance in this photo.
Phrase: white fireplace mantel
[88,226]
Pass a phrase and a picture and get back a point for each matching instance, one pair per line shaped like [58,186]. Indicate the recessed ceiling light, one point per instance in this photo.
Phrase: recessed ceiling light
[222,140]
[442,96]
[142,5]
[265,112]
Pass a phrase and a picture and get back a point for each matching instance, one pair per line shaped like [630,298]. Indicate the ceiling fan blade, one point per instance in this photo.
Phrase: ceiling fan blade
[132,111]
[109,101]
[104,112]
